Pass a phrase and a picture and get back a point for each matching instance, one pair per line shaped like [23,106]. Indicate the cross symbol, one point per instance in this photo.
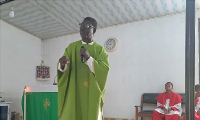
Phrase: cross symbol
[86,84]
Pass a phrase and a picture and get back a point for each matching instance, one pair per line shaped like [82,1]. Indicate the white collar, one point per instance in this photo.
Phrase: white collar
[87,43]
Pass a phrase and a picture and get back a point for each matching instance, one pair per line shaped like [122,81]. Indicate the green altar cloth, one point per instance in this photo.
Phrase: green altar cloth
[40,103]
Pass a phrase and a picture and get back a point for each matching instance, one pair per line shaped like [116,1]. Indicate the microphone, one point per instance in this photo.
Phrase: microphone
[82,57]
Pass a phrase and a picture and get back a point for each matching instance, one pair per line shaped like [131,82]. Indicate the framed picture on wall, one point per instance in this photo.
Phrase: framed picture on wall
[42,73]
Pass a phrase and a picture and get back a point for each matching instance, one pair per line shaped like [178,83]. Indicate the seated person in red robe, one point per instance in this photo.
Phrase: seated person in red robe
[169,105]
[197,102]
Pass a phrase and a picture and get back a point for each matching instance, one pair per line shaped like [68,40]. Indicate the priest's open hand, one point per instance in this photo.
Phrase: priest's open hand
[64,60]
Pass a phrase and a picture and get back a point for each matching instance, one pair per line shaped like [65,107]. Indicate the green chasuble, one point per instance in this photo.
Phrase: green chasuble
[81,92]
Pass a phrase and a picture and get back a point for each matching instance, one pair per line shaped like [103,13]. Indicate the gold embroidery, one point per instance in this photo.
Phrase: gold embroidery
[86,84]
[46,104]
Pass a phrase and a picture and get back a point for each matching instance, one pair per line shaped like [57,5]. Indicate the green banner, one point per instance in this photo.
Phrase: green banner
[41,105]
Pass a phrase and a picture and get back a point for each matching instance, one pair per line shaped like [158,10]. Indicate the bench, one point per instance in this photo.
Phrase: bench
[149,99]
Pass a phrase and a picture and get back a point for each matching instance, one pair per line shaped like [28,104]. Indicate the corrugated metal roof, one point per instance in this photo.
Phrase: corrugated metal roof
[51,18]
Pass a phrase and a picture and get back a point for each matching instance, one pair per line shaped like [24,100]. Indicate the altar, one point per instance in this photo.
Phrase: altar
[40,103]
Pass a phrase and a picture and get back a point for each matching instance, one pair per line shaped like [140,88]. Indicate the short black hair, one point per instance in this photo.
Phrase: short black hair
[93,21]
[169,83]
[197,87]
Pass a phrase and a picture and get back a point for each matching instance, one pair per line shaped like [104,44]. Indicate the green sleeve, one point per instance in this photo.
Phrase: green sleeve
[59,73]
[62,79]
[101,68]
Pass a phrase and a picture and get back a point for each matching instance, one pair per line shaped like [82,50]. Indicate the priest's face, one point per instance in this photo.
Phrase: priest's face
[168,87]
[86,30]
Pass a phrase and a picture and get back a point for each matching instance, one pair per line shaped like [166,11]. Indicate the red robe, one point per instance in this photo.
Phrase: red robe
[173,101]
[197,107]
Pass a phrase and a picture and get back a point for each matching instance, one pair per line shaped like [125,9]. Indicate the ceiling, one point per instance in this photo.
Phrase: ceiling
[52,18]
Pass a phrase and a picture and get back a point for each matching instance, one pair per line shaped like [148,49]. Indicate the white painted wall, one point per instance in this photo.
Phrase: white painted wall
[20,53]
[150,53]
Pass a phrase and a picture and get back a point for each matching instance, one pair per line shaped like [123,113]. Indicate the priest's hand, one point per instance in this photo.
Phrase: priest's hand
[85,53]
[63,61]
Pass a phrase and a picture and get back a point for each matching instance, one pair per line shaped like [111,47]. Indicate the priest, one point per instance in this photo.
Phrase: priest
[82,75]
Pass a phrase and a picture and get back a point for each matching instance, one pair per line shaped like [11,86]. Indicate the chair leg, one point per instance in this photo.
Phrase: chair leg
[136,117]
[141,118]
[136,113]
